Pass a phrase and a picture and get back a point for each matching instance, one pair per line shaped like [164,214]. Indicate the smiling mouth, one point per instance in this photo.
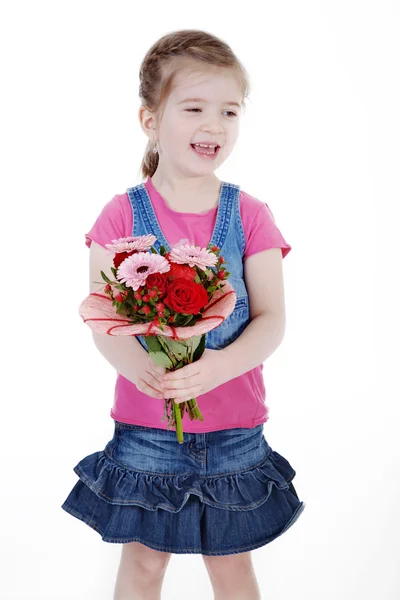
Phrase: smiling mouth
[203,151]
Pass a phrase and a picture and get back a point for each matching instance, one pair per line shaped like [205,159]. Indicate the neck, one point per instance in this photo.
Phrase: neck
[178,184]
[195,194]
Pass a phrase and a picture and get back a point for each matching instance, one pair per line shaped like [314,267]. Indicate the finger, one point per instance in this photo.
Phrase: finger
[155,377]
[148,389]
[183,373]
[153,380]
[155,373]
[179,384]
[184,394]
[157,368]
[171,386]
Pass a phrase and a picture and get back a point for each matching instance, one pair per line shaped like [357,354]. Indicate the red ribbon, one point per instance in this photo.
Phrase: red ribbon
[150,328]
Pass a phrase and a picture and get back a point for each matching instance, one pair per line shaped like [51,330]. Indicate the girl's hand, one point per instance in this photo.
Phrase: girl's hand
[149,377]
[210,371]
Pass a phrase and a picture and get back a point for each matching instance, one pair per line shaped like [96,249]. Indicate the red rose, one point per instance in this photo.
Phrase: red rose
[121,256]
[177,270]
[160,281]
[186,296]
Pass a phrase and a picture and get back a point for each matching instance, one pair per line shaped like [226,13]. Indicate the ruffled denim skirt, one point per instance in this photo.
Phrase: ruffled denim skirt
[220,492]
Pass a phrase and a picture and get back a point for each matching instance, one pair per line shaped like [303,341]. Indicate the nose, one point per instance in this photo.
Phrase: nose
[213,129]
[212,125]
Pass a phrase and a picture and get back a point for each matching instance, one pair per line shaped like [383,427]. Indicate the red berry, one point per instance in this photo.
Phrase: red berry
[146,310]
[146,298]
[160,307]
[221,259]
[214,248]
[119,297]
[108,287]
[153,293]
[137,296]
[221,274]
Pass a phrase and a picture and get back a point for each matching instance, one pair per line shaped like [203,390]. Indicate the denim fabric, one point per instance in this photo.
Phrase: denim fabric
[221,492]
[228,235]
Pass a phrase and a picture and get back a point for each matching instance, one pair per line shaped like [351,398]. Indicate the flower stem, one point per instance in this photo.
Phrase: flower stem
[194,410]
[178,421]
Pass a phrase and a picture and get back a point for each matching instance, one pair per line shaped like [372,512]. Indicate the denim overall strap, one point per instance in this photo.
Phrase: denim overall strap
[145,220]
[228,235]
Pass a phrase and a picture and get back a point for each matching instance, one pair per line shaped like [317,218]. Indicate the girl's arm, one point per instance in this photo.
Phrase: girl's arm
[264,281]
[124,353]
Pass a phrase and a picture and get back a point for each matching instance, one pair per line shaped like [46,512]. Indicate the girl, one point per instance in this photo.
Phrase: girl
[225,491]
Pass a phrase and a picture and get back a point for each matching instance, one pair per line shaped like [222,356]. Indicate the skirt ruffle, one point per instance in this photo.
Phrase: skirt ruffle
[226,514]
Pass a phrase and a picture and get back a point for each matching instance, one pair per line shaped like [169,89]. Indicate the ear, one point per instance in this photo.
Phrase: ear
[147,122]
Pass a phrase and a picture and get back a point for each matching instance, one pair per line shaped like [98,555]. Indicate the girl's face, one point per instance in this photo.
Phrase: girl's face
[212,118]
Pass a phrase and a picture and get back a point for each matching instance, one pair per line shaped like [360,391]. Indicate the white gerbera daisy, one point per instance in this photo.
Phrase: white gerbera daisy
[128,244]
[135,269]
[189,254]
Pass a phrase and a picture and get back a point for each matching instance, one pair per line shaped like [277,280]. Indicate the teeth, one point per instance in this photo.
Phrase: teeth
[206,145]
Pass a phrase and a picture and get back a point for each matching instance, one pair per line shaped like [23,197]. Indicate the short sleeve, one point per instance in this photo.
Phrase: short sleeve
[114,221]
[264,234]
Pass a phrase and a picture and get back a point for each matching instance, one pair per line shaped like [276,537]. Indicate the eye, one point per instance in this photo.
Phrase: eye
[229,111]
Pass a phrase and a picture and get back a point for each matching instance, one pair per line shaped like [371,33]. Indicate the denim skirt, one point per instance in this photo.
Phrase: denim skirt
[220,492]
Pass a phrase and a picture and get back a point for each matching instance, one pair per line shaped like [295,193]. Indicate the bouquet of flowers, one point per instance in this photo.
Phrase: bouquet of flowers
[173,299]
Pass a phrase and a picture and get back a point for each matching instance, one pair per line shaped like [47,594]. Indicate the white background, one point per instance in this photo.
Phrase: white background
[320,144]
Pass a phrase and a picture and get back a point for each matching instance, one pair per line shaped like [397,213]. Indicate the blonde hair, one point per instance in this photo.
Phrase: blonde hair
[165,59]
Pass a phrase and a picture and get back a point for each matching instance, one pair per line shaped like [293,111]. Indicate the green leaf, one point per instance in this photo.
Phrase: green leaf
[162,250]
[100,282]
[194,342]
[177,348]
[104,276]
[161,359]
[200,348]
[187,321]
[153,250]
[153,344]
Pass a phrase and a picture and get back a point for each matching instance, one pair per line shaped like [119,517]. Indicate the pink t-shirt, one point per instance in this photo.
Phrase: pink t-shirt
[239,402]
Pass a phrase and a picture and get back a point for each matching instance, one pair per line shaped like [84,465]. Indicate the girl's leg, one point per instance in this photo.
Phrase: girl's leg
[232,577]
[140,573]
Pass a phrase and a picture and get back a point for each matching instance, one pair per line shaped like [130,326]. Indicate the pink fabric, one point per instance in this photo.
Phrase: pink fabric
[241,401]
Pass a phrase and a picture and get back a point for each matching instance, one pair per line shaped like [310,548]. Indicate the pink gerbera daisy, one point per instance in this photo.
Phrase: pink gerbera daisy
[135,269]
[189,254]
[128,244]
